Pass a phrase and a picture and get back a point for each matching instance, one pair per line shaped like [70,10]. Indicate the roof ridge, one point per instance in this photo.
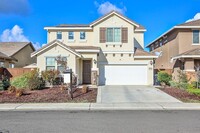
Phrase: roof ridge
[188,22]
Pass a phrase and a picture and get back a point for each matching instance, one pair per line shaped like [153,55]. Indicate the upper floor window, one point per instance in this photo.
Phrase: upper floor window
[59,35]
[195,36]
[113,35]
[82,35]
[71,35]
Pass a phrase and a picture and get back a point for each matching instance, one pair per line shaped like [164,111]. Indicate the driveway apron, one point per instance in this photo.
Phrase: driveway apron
[133,94]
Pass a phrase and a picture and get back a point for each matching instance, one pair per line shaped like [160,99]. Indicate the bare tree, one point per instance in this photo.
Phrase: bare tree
[62,61]
[197,68]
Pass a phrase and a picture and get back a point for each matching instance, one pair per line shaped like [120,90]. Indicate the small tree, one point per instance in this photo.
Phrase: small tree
[61,61]
[164,77]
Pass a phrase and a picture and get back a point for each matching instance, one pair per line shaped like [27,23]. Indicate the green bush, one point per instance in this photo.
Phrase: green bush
[194,91]
[30,80]
[164,77]
[183,85]
[173,84]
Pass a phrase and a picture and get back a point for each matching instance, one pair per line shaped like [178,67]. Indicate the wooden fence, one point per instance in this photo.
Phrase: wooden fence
[15,72]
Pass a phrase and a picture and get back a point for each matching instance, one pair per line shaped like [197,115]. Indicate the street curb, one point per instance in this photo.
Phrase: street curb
[98,106]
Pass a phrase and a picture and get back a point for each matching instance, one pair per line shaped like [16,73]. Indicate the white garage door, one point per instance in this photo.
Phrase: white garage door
[123,75]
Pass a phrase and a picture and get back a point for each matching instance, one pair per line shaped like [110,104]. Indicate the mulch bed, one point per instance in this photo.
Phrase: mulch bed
[49,95]
[181,94]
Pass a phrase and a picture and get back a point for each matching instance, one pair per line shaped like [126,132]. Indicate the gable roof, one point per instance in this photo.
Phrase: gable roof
[188,54]
[53,43]
[140,53]
[2,55]
[11,48]
[89,26]
[191,24]
[119,15]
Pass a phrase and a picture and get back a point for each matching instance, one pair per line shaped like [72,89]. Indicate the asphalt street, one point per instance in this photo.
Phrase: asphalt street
[100,122]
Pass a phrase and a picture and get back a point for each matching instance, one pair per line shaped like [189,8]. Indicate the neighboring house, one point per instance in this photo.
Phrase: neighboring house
[108,51]
[16,54]
[178,48]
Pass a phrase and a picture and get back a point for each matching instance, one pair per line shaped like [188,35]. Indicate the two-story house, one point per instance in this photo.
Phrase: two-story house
[108,51]
[178,48]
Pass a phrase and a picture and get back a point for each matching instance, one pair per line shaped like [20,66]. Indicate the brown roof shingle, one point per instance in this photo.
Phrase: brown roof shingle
[140,52]
[10,48]
[195,51]
[191,23]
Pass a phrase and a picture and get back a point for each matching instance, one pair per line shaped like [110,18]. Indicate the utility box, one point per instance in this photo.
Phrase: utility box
[67,76]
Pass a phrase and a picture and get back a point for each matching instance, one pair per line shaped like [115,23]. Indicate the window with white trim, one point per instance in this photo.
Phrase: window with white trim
[82,35]
[50,63]
[113,35]
[70,35]
[59,35]
[195,36]
[11,65]
[2,64]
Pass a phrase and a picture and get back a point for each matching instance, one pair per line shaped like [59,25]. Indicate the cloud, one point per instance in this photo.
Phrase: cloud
[16,7]
[197,16]
[107,7]
[16,34]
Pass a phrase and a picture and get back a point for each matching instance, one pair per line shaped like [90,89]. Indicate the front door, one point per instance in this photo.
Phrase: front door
[86,71]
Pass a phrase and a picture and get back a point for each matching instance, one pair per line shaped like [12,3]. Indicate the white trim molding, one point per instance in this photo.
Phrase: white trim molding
[145,57]
[118,52]
[125,63]
[87,50]
[68,28]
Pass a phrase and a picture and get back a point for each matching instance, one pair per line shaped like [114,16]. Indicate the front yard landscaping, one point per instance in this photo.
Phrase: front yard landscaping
[182,89]
[49,95]
[32,88]
[181,94]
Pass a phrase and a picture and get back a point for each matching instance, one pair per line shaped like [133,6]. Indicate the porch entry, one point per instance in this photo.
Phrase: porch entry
[87,71]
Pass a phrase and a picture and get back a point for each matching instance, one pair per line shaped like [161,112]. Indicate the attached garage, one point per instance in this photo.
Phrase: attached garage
[123,74]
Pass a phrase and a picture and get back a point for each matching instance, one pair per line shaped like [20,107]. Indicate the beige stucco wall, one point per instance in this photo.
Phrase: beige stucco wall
[55,51]
[189,64]
[186,41]
[6,63]
[169,50]
[150,69]
[89,41]
[24,57]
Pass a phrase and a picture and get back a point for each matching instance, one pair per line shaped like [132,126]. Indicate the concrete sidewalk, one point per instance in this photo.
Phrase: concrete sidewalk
[98,106]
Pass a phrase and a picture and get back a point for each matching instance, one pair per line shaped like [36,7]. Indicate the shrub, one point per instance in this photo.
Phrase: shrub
[194,91]
[6,82]
[194,83]
[20,82]
[30,80]
[173,84]
[182,77]
[183,85]
[50,75]
[164,77]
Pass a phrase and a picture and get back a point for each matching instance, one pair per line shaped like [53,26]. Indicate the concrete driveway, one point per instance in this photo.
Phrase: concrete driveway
[129,94]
